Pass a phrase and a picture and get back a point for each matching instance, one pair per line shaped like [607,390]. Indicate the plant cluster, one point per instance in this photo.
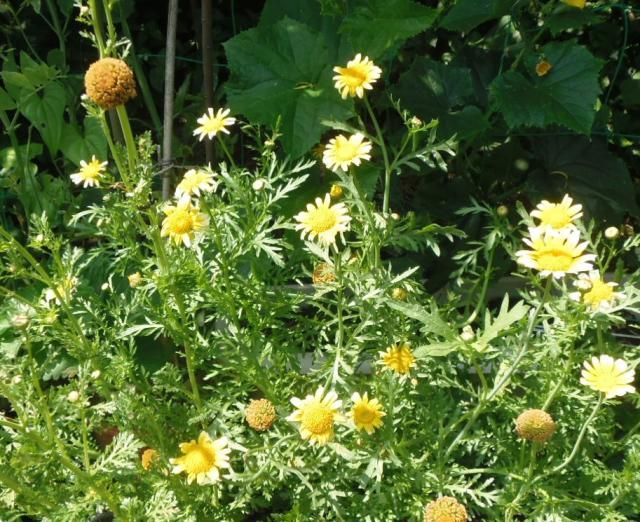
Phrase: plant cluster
[262,343]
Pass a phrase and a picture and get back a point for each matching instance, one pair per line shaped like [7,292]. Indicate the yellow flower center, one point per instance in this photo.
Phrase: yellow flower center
[556,216]
[317,419]
[353,76]
[346,150]
[554,259]
[322,219]
[213,125]
[199,460]
[92,170]
[180,222]
[364,414]
[600,291]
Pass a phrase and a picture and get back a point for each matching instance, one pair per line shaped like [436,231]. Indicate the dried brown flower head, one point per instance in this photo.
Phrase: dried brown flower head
[109,82]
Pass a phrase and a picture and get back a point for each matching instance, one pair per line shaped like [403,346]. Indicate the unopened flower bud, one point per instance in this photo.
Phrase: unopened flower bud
[323,273]
[134,279]
[399,293]
[259,184]
[336,191]
[73,396]
[467,334]
[104,287]
[40,238]
[503,211]
[415,122]
[628,230]
[95,374]
[269,144]
[521,164]
[395,216]
[16,380]
[20,321]
[535,425]
[612,232]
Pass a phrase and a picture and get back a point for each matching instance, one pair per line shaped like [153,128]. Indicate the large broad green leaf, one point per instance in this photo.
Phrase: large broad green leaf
[467,14]
[571,18]
[45,109]
[566,95]
[589,172]
[77,145]
[377,25]
[281,74]
[433,90]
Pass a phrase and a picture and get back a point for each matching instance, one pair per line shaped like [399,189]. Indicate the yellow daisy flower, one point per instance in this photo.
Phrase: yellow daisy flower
[341,152]
[147,458]
[398,358]
[357,76]
[596,293]
[557,215]
[575,3]
[555,252]
[323,220]
[90,173]
[211,123]
[183,222]
[194,181]
[609,376]
[202,460]
[366,413]
[317,414]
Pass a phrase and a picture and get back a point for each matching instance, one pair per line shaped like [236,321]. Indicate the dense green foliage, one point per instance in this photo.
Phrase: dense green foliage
[115,338]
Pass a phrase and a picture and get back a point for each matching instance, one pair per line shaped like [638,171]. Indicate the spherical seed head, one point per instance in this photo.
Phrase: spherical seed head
[147,458]
[503,211]
[109,82]
[260,414]
[445,509]
[535,425]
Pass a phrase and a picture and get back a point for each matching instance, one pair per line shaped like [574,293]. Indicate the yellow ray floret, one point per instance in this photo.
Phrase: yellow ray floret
[202,460]
[398,358]
[555,252]
[610,376]
[357,76]
[317,415]
[557,215]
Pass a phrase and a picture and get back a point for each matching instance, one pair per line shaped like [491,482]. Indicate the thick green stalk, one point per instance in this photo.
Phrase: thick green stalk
[97,28]
[385,158]
[132,152]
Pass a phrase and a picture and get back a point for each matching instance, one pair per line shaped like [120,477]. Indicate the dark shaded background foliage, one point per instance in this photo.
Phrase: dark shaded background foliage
[458,68]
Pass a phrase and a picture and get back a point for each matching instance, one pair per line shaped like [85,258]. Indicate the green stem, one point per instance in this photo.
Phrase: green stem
[97,28]
[112,147]
[106,5]
[498,386]
[340,334]
[385,158]
[58,30]
[226,153]
[526,483]
[85,440]
[132,152]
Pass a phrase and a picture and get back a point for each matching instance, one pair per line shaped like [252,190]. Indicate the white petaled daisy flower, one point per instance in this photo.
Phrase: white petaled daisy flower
[607,375]
[323,220]
[366,413]
[194,181]
[341,152]
[211,123]
[596,292]
[182,222]
[202,460]
[90,173]
[357,76]
[555,252]
[557,215]
[316,415]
